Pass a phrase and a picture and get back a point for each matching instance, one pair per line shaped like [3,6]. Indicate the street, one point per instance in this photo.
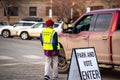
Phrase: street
[24,60]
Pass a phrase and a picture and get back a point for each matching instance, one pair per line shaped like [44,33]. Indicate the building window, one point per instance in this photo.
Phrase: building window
[47,11]
[12,11]
[96,7]
[33,11]
[116,6]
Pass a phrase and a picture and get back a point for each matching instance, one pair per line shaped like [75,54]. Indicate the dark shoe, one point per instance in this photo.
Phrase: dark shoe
[46,77]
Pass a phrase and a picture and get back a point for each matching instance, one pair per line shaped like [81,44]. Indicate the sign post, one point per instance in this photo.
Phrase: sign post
[88,9]
[84,65]
[50,13]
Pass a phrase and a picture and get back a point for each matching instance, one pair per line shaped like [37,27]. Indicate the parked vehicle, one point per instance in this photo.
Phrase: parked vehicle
[10,31]
[35,30]
[36,19]
[99,29]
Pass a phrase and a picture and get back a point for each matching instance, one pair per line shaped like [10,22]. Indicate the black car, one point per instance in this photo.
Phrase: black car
[36,19]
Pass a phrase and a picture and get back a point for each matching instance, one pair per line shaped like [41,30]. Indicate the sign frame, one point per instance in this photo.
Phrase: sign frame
[74,52]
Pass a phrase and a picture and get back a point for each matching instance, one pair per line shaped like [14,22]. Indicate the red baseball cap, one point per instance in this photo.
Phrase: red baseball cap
[49,23]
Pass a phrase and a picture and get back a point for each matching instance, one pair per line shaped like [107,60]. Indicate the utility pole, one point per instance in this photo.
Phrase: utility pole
[50,10]
[72,10]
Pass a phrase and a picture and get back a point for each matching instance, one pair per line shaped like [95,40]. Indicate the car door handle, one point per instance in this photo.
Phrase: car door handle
[104,38]
[85,37]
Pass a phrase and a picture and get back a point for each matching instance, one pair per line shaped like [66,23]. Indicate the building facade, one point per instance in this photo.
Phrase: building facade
[27,8]
[40,8]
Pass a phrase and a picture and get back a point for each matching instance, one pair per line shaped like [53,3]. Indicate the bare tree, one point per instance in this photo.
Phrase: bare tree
[5,4]
[108,2]
[62,9]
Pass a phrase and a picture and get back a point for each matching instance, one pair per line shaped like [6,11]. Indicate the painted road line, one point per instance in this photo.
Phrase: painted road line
[32,56]
[14,64]
[9,64]
[5,57]
[39,63]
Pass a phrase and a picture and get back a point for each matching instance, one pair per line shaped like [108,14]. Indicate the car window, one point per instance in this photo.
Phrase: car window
[56,25]
[28,24]
[44,25]
[102,22]
[22,24]
[83,24]
[36,25]
[39,25]
[18,24]
[118,24]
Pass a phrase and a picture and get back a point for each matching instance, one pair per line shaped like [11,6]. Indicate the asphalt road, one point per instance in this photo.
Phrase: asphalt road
[24,60]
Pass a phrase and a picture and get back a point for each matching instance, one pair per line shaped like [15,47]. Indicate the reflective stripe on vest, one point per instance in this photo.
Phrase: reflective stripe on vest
[48,34]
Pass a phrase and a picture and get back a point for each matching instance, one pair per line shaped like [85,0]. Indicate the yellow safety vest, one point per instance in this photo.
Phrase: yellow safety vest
[69,25]
[47,35]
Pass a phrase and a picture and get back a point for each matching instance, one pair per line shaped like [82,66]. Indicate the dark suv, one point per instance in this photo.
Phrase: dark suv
[36,19]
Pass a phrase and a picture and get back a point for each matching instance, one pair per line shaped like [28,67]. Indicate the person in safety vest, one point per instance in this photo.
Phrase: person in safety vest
[70,25]
[51,47]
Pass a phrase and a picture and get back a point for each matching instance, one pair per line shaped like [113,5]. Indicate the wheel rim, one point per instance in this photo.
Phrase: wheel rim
[5,34]
[24,36]
[62,65]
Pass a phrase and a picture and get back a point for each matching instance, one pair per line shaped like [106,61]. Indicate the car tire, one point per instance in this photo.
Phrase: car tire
[24,36]
[6,33]
[63,66]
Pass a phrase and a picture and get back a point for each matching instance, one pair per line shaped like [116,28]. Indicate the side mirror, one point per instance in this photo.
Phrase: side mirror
[67,30]
[14,26]
[32,27]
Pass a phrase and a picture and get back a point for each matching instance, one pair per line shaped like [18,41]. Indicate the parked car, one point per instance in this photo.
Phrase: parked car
[99,29]
[58,26]
[36,19]
[35,30]
[10,31]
